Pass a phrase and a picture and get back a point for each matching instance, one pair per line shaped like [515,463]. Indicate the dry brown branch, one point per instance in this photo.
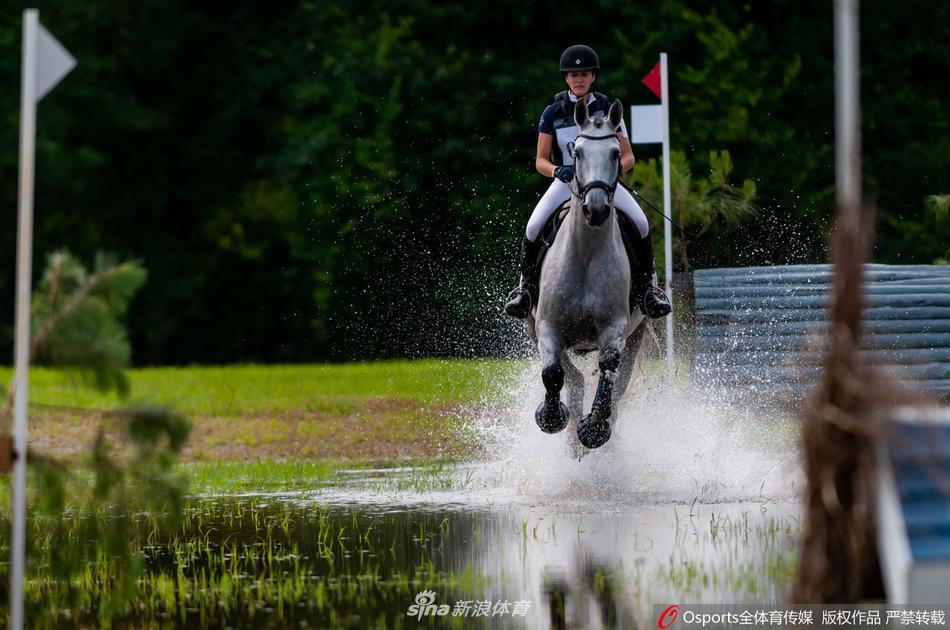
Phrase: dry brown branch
[841,426]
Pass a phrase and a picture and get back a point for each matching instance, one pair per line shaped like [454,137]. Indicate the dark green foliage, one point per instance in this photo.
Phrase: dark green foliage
[698,204]
[77,325]
[312,180]
[939,206]
[76,318]
[159,434]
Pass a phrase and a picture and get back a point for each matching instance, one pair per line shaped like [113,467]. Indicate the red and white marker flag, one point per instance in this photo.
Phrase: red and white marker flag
[646,121]
[650,124]
[652,80]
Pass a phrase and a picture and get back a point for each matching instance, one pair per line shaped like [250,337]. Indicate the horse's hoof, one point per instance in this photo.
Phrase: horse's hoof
[552,422]
[593,433]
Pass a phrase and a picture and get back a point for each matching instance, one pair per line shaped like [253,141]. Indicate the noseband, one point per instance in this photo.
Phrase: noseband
[609,188]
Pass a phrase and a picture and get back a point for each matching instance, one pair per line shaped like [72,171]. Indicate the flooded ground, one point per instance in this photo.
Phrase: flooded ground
[693,500]
[569,563]
[348,558]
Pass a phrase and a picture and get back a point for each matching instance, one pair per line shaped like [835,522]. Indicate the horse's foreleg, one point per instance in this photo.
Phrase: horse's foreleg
[552,414]
[594,430]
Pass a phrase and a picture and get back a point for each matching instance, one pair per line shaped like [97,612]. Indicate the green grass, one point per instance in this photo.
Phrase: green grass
[228,477]
[414,475]
[242,389]
[376,411]
[271,475]
[380,411]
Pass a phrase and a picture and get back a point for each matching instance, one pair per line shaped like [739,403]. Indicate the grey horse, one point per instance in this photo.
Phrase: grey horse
[583,302]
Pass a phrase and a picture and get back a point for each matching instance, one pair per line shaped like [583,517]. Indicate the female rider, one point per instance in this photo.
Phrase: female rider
[556,131]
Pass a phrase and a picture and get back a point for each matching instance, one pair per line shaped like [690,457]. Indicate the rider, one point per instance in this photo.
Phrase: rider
[556,131]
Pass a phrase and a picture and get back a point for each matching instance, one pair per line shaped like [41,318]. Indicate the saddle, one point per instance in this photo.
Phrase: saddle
[628,233]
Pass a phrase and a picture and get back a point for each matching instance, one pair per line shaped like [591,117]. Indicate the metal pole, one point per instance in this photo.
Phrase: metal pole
[667,206]
[22,342]
[848,105]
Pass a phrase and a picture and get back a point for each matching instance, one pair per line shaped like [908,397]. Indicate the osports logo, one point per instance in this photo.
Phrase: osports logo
[668,617]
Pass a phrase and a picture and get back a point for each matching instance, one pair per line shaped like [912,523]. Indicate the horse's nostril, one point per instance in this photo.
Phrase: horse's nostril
[585,209]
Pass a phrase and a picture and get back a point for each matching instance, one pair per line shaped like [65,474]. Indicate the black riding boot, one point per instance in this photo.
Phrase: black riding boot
[644,293]
[526,293]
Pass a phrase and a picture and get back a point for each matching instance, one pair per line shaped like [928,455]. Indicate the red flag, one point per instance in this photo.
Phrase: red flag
[652,80]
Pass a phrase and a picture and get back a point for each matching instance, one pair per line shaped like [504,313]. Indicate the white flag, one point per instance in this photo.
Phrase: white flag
[53,62]
[646,124]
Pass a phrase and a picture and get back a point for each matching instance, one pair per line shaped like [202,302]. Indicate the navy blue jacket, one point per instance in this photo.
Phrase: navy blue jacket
[558,120]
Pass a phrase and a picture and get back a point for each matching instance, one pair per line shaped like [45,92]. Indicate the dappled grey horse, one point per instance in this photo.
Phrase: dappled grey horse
[584,299]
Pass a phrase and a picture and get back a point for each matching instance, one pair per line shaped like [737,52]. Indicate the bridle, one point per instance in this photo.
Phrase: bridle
[609,188]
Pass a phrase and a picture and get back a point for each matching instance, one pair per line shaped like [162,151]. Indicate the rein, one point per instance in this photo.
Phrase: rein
[609,188]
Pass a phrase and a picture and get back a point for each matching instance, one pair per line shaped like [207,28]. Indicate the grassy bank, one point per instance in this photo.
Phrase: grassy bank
[263,476]
[364,411]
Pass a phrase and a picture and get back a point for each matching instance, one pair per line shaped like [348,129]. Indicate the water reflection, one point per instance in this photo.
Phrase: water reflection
[578,563]
[566,570]
[593,570]
[465,552]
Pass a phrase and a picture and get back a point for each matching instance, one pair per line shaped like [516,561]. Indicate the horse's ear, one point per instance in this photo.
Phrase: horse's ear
[580,112]
[616,114]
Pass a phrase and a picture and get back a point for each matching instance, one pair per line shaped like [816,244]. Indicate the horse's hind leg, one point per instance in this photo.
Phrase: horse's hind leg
[628,361]
[574,381]
[552,414]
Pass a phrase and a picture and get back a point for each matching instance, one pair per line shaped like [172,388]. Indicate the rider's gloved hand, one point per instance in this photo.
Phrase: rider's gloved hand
[564,173]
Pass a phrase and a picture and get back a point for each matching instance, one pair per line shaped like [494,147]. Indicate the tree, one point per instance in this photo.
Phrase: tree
[698,205]
[939,206]
[328,182]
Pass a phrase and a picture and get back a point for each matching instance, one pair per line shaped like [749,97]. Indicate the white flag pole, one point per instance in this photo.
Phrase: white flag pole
[22,342]
[667,206]
[45,62]
[847,104]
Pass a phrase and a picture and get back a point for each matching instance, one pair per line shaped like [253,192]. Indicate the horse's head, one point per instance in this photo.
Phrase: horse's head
[596,161]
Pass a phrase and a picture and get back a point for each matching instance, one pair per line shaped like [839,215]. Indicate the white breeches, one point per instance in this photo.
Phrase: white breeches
[559,192]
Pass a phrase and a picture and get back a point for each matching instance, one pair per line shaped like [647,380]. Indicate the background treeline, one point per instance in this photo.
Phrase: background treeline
[332,180]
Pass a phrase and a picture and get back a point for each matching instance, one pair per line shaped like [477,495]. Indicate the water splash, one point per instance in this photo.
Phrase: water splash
[669,445]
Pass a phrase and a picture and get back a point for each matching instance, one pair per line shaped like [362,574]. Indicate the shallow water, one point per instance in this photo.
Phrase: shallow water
[692,500]
[570,562]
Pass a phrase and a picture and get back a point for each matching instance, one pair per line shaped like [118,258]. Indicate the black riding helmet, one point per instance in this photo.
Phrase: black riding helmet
[578,58]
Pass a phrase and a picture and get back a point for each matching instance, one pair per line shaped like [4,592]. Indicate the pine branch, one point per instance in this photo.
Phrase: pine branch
[39,339]
[74,303]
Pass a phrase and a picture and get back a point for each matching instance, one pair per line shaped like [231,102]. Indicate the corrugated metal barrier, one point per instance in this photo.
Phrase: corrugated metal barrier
[759,329]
